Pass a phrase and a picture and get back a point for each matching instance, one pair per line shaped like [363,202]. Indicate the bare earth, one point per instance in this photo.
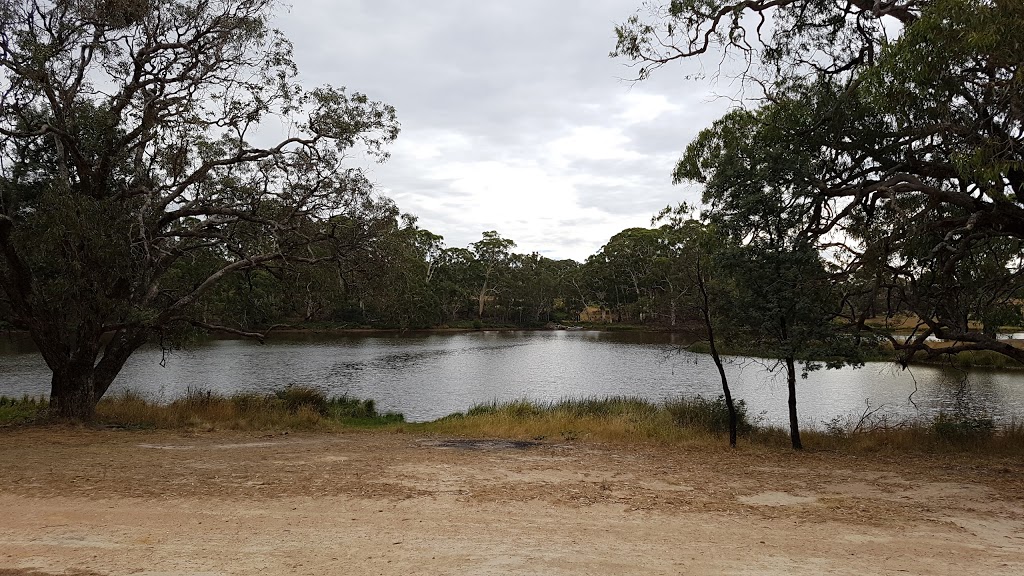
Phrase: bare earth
[168,503]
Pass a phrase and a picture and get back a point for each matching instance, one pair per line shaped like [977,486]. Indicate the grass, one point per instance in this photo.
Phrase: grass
[613,419]
[687,422]
[292,408]
[701,422]
[24,410]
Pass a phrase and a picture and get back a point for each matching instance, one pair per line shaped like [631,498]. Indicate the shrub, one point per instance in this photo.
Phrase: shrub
[296,397]
[963,428]
[251,402]
[607,407]
[710,415]
[341,407]
[514,409]
[22,410]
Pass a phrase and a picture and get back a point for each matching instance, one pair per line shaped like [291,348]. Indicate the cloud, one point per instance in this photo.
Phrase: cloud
[513,117]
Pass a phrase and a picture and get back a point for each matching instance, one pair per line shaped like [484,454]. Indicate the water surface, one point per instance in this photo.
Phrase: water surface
[426,376]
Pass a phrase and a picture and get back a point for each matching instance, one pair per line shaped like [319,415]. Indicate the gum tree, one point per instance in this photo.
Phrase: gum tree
[136,141]
[898,134]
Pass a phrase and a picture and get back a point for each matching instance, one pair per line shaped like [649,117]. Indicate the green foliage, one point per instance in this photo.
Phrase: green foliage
[131,212]
[294,407]
[896,156]
[22,410]
[295,398]
[610,407]
[711,415]
[514,409]
[961,428]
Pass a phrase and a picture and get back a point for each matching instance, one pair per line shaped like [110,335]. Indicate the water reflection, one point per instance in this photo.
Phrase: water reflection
[426,376]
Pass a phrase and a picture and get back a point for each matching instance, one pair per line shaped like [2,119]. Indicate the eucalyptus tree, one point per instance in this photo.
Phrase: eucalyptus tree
[134,137]
[704,287]
[493,257]
[901,127]
[785,298]
[454,282]
[539,286]
[625,268]
[400,281]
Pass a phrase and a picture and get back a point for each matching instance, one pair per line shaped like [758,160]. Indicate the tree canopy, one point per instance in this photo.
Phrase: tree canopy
[891,133]
[135,175]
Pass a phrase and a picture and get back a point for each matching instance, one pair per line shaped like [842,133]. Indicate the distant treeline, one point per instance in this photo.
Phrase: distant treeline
[401,276]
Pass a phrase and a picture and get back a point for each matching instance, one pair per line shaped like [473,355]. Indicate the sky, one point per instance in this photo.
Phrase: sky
[513,116]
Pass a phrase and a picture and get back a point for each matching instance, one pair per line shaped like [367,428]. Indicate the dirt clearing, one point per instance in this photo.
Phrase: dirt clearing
[169,503]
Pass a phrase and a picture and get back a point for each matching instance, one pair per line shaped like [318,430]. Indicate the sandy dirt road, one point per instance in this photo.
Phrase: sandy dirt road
[169,503]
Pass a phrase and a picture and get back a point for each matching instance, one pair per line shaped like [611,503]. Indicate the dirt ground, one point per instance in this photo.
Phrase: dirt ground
[170,503]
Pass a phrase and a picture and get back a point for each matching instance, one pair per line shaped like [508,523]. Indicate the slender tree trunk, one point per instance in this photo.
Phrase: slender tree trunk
[730,406]
[705,309]
[794,425]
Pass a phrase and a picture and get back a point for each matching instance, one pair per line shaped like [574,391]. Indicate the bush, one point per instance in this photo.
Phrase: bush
[22,410]
[295,398]
[251,402]
[963,428]
[710,415]
[607,407]
[347,408]
[514,409]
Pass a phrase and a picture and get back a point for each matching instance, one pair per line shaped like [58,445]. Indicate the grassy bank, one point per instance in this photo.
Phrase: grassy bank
[703,422]
[694,422]
[292,408]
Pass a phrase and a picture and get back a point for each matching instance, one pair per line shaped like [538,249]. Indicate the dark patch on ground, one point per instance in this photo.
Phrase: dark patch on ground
[470,444]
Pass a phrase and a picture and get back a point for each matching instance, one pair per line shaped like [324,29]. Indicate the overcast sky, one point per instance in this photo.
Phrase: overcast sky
[513,116]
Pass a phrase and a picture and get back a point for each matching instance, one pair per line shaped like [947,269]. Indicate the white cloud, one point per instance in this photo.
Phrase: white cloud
[513,119]
[591,143]
[642,107]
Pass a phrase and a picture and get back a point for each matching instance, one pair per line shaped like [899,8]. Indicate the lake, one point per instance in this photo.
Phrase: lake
[426,376]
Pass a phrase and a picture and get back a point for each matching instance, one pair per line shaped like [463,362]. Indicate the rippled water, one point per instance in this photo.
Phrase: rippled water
[426,376]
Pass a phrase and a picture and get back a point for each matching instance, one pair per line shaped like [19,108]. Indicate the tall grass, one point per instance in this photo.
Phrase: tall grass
[703,422]
[695,422]
[22,410]
[294,407]
[612,419]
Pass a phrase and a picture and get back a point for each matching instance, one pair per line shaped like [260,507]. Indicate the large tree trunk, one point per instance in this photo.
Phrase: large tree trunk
[794,425]
[78,380]
[74,394]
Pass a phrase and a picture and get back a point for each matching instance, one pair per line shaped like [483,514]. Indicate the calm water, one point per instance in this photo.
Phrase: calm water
[429,376]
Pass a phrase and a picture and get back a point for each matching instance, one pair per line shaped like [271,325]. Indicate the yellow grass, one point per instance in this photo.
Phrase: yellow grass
[290,409]
[692,424]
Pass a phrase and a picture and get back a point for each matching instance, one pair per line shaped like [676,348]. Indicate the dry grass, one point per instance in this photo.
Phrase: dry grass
[612,420]
[621,419]
[294,408]
[701,423]
[693,423]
